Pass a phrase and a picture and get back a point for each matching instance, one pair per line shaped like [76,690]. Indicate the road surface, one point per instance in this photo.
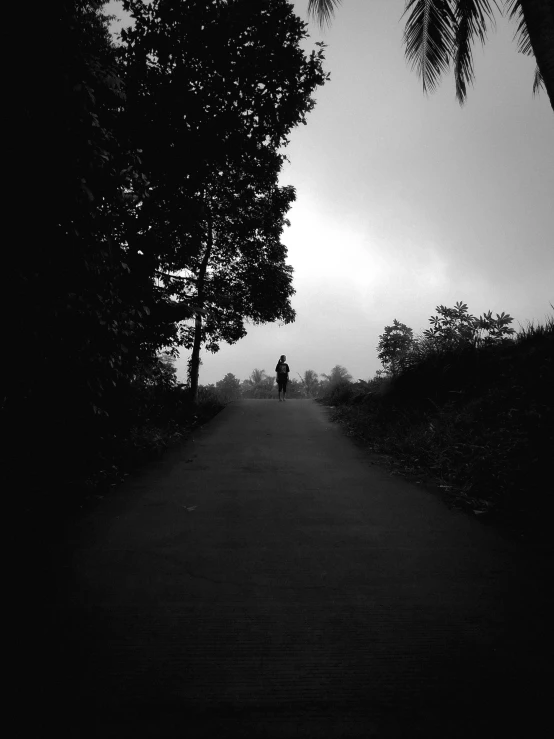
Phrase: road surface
[268,580]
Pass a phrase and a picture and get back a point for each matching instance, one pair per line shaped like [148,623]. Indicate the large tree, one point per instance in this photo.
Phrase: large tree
[213,92]
[241,274]
[440,33]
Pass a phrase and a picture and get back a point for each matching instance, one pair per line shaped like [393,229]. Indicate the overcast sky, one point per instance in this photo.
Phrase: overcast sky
[406,201]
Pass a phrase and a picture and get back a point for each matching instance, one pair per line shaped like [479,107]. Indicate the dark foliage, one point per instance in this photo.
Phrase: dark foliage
[116,150]
[480,420]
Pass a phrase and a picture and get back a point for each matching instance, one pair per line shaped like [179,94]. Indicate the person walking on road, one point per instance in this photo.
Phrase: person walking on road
[282,370]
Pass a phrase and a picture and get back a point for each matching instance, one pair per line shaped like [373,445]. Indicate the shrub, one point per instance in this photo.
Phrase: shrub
[478,417]
[339,393]
[208,397]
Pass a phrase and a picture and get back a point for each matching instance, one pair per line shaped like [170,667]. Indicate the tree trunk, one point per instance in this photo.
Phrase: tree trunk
[195,357]
[539,19]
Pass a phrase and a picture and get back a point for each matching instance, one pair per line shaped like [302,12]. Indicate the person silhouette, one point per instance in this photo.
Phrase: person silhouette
[282,370]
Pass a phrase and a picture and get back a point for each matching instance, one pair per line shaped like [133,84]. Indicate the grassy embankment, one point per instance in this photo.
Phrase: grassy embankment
[477,424]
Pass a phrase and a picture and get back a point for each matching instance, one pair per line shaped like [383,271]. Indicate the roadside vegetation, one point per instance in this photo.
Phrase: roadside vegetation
[156,223]
[467,406]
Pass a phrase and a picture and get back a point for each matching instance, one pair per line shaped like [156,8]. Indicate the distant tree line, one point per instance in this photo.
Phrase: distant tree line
[261,385]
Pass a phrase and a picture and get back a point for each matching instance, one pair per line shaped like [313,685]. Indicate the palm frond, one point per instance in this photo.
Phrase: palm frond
[522,34]
[523,40]
[429,38]
[323,10]
[538,82]
[472,19]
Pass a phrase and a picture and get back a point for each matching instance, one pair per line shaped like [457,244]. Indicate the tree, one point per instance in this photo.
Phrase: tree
[394,346]
[243,274]
[339,375]
[214,90]
[311,384]
[258,385]
[439,33]
[228,388]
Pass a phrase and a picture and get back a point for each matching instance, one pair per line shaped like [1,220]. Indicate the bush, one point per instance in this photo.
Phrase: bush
[340,392]
[209,398]
[478,418]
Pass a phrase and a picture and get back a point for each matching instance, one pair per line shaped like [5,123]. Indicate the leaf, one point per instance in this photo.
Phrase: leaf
[538,81]
[471,22]
[323,10]
[429,39]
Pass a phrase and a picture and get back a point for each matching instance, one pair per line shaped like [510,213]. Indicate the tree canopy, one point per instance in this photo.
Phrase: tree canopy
[214,91]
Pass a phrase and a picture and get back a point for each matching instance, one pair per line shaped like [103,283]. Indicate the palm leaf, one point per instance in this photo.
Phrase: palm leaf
[472,17]
[322,10]
[429,38]
[538,82]
[522,34]
[523,40]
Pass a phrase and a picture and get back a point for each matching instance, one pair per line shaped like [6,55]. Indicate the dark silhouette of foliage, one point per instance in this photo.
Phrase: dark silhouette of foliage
[394,346]
[452,330]
[127,157]
[455,327]
[478,417]
[230,81]
[228,388]
[441,33]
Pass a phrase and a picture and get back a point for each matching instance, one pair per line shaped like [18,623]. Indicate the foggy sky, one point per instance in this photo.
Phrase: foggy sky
[406,201]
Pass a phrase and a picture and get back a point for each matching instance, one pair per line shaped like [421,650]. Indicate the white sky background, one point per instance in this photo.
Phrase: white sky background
[406,201]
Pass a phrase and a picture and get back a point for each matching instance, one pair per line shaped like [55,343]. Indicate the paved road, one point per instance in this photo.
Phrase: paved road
[266,580]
